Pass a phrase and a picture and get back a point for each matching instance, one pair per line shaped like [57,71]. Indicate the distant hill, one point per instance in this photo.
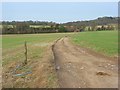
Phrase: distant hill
[98,21]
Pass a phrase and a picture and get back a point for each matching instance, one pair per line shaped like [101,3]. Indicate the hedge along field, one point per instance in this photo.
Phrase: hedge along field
[105,42]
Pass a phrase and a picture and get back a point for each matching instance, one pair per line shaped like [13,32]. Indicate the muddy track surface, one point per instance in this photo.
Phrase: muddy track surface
[77,68]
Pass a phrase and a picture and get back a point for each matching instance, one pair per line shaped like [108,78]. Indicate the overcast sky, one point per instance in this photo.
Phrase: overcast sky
[57,12]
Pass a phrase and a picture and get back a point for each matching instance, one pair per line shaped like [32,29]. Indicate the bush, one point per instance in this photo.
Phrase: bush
[62,29]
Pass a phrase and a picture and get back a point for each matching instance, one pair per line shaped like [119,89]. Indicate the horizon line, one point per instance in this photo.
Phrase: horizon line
[54,21]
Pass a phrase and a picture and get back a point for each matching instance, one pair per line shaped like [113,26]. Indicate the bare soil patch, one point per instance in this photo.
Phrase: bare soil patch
[77,67]
[36,74]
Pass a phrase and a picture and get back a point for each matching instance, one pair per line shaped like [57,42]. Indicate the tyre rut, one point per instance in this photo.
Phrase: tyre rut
[77,68]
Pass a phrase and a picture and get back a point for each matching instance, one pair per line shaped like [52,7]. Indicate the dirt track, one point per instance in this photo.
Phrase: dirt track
[76,67]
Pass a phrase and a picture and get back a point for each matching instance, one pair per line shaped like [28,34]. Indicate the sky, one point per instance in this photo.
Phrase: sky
[59,0]
[59,12]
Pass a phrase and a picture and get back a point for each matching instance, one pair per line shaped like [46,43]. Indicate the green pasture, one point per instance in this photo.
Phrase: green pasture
[13,45]
[105,42]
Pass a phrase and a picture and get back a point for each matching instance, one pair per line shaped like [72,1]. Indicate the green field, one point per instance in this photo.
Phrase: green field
[105,42]
[36,44]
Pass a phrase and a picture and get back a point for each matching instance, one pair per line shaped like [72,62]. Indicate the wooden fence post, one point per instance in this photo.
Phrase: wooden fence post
[25,62]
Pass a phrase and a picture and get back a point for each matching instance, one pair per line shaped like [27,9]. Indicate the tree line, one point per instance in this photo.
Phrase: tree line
[29,27]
